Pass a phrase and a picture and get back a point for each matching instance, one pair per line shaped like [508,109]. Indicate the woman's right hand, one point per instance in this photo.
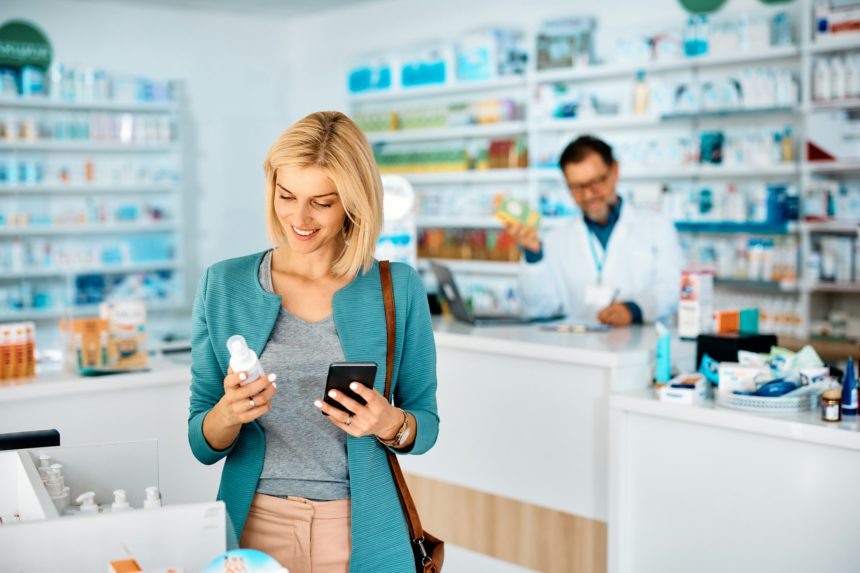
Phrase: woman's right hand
[243,404]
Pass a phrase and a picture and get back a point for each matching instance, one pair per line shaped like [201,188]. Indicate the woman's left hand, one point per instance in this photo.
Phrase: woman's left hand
[376,418]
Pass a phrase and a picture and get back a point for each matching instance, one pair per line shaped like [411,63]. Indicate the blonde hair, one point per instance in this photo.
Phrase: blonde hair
[331,142]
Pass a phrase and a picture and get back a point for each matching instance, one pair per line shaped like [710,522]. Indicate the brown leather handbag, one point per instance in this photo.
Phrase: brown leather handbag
[429,551]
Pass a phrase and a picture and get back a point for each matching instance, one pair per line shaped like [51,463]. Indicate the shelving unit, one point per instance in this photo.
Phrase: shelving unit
[601,72]
[93,146]
[442,133]
[103,154]
[90,229]
[476,176]
[34,314]
[537,176]
[29,190]
[452,89]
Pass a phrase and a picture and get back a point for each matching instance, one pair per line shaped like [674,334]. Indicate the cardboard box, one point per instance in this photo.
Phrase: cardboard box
[696,305]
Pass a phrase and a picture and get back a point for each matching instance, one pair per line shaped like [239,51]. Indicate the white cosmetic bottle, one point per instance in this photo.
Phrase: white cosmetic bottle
[243,359]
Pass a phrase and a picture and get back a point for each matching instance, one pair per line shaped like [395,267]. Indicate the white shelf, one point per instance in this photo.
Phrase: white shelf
[439,91]
[102,269]
[80,310]
[615,71]
[510,128]
[459,222]
[87,146]
[833,166]
[88,229]
[85,189]
[475,267]
[843,104]
[838,288]
[645,121]
[840,227]
[688,172]
[835,43]
[595,123]
[481,176]
[45,103]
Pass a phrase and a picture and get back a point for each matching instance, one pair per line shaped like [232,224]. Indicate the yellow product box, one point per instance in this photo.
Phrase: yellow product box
[514,211]
[126,320]
[86,343]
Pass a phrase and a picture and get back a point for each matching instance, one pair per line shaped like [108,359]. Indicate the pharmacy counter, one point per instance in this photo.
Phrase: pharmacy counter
[520,468]
[708,489]
[150,405]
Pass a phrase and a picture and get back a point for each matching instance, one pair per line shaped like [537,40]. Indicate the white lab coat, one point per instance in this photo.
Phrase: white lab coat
[643,262]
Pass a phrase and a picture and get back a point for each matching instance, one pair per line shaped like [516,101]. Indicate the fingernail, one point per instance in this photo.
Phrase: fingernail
[242,376]
[275,386]
[273,377]
[353,386]
[318,404]
[332,393]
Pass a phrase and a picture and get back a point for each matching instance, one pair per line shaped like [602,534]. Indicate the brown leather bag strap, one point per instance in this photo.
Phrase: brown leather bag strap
[416,532]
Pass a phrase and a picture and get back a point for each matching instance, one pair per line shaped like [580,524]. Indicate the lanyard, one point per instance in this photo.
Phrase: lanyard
[598,261]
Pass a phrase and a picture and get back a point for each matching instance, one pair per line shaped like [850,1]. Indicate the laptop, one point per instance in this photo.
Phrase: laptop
[460,310]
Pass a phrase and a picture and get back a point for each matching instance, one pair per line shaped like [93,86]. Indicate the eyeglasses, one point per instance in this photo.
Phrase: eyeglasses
[595,183]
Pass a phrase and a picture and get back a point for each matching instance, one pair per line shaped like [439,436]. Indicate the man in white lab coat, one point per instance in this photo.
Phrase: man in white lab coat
[616,262]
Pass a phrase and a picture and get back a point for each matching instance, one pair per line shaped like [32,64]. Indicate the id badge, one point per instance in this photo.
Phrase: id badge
[598,296]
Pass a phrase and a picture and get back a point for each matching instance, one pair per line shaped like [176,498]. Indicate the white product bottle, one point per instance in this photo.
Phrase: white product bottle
[641,94]
[44,466]
[243,359]
[837,79]
[821,83]
[120,501]
[87,502]
[61,502]
[153,498]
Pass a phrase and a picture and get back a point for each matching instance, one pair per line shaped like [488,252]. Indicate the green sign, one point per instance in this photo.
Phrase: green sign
[22,43]
[702,7]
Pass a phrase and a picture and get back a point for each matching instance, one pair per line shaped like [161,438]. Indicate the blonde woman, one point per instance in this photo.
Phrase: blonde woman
[314,491]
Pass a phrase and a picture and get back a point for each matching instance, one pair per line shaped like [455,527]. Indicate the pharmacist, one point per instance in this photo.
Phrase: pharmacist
[617,263]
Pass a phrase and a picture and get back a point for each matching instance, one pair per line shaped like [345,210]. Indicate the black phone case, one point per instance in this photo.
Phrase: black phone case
[342,374]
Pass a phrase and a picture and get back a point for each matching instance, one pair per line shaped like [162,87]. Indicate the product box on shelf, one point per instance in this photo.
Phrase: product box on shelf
[489,54]
[113,342]
[17,350]
[373,73]
[126,334]
[566,43]
[696,305]
[427,66]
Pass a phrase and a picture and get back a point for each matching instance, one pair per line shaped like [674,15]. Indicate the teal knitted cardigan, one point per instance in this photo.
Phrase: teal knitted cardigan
[231,301]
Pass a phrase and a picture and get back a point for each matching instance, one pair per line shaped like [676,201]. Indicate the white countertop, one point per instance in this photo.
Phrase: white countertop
[162,371]
[630,346]
[803,426]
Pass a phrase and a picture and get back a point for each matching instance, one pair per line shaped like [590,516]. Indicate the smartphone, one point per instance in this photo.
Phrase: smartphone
[342,374]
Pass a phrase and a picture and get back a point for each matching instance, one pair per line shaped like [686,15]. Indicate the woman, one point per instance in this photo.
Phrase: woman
[312,490]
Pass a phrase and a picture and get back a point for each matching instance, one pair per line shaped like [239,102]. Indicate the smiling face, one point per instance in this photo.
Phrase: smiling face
[307,205]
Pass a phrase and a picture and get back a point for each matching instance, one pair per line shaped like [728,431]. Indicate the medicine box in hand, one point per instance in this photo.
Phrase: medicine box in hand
[513,211]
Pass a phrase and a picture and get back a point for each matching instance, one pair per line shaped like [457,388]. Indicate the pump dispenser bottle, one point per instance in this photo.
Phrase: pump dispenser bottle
[153,498]
[120,501]
[243,359]
[87,501]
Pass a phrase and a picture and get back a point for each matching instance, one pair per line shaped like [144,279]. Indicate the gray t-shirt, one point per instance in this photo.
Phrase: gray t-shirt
[305,453]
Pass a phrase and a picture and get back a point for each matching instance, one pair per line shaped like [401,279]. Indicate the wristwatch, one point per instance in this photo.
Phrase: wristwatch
[401,436]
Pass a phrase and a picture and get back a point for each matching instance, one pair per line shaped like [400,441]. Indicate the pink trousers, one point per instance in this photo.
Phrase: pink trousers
[302,535]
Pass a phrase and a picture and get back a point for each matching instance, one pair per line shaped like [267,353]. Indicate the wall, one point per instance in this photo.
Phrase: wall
[235,99]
